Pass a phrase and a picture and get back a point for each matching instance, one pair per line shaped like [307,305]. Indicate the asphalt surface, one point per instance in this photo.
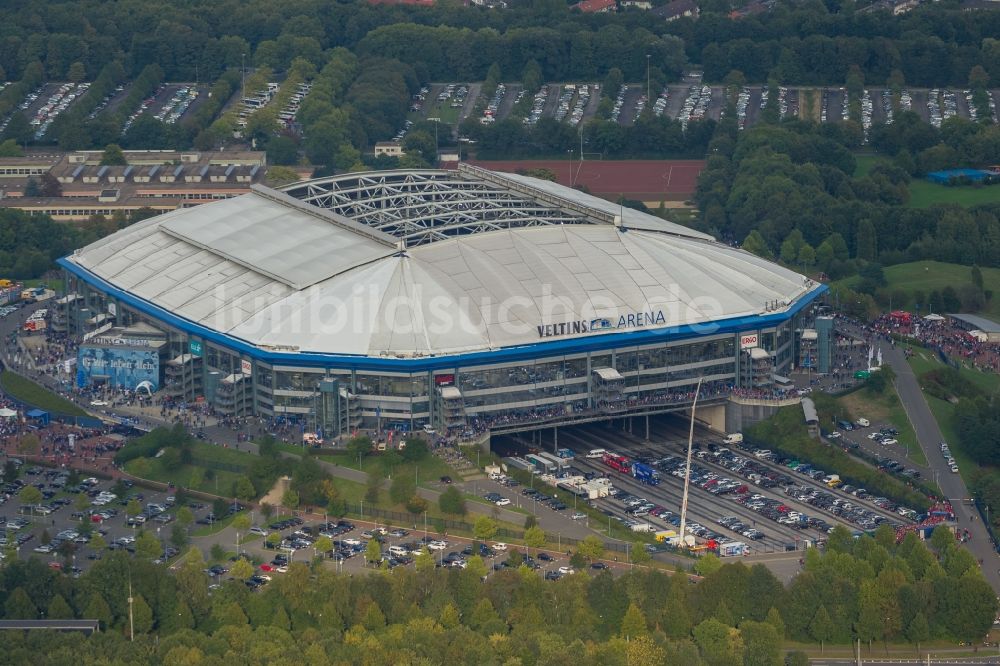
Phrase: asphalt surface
[929,438]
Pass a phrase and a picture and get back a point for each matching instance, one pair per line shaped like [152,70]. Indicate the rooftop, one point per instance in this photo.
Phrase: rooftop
[981,323]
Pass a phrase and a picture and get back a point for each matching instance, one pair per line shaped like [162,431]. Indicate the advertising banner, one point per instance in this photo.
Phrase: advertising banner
[749,340]
[245,367]
[121,367]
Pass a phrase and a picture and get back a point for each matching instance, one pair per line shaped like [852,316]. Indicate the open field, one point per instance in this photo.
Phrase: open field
[28,391]
[928,276]
[924,193]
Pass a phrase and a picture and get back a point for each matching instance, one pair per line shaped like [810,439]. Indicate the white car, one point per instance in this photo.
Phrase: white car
[437,545]
[44,548]
[578,516]
[500,546]
[258,530]
[566,570]
[98,403]
[503,501]
[351,541]
[889,442]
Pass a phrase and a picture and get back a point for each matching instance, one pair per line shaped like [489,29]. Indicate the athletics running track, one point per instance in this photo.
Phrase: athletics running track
[644,180]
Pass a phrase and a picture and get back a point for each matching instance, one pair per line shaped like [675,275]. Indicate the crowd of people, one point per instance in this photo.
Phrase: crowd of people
[942,336]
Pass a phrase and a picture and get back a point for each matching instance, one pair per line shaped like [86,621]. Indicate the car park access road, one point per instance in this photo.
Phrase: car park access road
[929,437]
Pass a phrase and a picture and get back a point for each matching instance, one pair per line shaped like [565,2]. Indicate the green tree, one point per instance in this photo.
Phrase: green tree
[821,628]
[639,553]
[273,539]
[534,537]
[97,543]
[179,536]
[30,495]
[77,72]
[359,446]
[403,488]
[591,547]
[417,505]
[720,645]
[451,501]
[762,644]
[148,546]
[918,630]
[185,517]
[9,148]
[290,499]
[142,615]
[133,508]
[634,623]
[98,609]
[755,244]
[113,156]
[323,545]
[19,606]
[241,570]
[217,552]
[774,619]
[373,551]
[867,245]
[707,564]
[59,609]
[243,489]
[485,528]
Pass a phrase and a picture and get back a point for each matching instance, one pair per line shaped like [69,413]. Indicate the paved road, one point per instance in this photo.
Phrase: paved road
[929,437]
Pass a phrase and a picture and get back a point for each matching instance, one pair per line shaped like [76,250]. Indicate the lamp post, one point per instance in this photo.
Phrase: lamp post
[648,90]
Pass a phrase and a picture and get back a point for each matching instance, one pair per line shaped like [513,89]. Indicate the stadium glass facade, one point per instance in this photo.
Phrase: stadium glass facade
[454,393]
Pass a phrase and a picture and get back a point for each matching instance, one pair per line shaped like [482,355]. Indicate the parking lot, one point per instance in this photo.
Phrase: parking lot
[577,102]
[736,494]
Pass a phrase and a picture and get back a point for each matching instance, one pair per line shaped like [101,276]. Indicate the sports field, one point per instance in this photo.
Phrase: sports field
[643,180]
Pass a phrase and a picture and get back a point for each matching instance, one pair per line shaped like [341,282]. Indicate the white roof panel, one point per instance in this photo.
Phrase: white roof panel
[294,243]
[278,272]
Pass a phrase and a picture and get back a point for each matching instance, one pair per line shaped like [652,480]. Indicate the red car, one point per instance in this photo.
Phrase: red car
[266,567]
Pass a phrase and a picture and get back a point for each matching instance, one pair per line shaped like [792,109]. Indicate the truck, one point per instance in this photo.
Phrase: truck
[558,462]
[733,549]
[542,466]
[832,481]
[734,438]
[11,293]
[35,325]
[617,463]
[668,537]
[566,454]
[644,473]
[597,488]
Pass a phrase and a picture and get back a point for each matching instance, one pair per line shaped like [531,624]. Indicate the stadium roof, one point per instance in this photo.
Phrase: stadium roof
[407,264]
[981,323]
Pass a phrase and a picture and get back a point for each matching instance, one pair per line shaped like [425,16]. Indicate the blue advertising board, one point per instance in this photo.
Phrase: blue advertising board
[120,368]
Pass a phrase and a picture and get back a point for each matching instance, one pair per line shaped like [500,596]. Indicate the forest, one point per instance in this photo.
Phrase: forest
[868,588]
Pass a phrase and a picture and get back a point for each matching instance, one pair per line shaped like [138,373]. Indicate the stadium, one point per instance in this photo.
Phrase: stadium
[462,301]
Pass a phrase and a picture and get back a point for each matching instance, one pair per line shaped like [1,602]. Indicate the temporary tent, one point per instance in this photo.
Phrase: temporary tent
[933,317]
[7,413]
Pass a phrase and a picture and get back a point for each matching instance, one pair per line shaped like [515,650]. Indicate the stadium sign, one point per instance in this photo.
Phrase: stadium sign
[749,340]
[601,324]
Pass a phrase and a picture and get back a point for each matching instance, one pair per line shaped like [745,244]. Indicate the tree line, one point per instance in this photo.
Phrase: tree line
[869,588]
[813,43]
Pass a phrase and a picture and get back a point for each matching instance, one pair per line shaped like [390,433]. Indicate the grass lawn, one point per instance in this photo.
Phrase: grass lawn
[354,493]
[885,410]
[428,471]
[865,164]
[924,193]
[928,276]
[183,476]
[34,394]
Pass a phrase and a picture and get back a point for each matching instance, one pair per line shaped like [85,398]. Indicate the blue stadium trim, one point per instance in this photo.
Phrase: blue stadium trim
[532,351]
